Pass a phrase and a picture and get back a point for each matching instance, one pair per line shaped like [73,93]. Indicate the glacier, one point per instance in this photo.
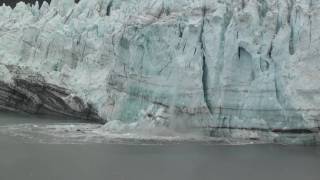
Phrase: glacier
[226,68]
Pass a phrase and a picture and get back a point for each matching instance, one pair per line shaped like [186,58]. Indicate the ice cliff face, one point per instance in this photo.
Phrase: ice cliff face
[241,68]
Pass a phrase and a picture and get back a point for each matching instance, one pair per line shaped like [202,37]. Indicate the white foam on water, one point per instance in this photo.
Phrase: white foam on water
[112,132]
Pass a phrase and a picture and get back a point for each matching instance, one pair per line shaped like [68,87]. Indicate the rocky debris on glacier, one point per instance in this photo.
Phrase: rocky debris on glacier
[239,68]
[28,92]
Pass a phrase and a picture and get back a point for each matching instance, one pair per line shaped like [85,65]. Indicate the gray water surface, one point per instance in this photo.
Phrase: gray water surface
[34,161]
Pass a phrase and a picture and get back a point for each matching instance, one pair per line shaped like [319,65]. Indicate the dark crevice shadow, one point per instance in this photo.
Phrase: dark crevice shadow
[13,3]
[7,118]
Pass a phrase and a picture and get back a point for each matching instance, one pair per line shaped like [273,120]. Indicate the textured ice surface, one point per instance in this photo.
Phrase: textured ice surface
[227,67]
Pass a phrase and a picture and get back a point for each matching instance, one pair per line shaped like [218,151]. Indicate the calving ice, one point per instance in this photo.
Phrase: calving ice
[243,69]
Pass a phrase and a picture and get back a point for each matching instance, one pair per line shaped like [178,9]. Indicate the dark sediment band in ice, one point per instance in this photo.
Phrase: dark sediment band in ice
[30,93]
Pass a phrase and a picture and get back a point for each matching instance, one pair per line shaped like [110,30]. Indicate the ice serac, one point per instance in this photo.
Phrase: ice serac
[244,69]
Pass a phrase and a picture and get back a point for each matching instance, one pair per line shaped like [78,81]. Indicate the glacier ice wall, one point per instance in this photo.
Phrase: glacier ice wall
[233,68]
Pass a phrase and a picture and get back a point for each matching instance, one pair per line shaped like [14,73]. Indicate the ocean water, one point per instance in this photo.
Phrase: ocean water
[24,159]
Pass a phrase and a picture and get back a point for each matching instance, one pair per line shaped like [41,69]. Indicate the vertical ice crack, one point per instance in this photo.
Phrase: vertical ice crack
[109,8]
[310,30]
[68,16]
[204,64]
[278,96]
[291,40]
[276,86]
[310,21]
[243,4]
